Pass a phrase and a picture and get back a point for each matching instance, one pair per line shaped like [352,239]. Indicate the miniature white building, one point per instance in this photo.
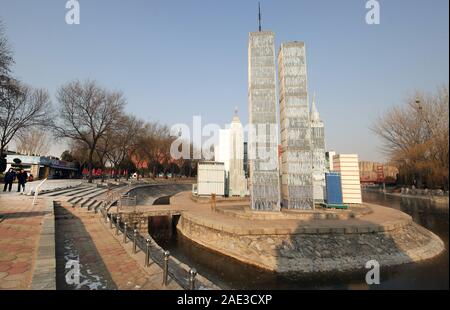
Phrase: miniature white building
[329,159]
[210,178]
[222,150]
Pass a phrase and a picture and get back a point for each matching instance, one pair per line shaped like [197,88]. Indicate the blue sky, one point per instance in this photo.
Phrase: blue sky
[176,59]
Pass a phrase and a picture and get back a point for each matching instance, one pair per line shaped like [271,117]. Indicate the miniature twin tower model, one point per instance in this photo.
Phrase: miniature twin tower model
[264,180]
[302,137]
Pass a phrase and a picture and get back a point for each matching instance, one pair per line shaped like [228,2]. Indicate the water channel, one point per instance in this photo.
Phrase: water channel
[229,273]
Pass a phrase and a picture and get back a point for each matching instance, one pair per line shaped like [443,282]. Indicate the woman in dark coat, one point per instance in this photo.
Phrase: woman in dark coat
[10,176]
[22,178]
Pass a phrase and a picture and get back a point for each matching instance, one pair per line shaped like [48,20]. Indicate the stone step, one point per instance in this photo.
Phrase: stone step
[89,200]
[96,193]
[84,192]
[48,192]
[75,200]
[90,204]
[79,202]
[97,206]
[92,193]
[84,202]
[66,190]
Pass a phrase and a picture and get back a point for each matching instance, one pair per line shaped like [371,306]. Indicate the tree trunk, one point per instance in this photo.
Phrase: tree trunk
[91,154]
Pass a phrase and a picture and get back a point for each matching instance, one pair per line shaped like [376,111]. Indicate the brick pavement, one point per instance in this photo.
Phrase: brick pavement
[105,262]
[103,253]
[20,227]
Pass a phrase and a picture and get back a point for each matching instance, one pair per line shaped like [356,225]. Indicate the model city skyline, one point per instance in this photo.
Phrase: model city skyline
[302,162]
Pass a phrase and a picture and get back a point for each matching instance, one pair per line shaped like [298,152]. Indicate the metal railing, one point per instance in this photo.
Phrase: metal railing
[128,201]
[185,278]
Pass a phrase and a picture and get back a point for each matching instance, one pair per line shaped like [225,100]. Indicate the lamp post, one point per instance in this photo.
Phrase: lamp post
[427,121]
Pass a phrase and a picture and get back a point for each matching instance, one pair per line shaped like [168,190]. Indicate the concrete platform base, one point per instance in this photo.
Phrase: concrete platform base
[309,241]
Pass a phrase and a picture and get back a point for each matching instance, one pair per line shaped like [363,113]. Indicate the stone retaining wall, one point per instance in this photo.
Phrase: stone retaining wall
[318,251]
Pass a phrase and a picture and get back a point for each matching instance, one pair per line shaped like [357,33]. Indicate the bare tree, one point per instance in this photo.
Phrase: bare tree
[23,110]
[33,142]
[103,146]
[86,113]
[79,152]
[6,55]
[124,139]
[415,137]
[152,148]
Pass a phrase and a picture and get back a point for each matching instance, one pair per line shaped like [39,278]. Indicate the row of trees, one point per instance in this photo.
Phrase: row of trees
[88,115]
[103,136]
[416,138]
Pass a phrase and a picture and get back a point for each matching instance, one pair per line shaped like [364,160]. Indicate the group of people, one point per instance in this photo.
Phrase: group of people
[11,175]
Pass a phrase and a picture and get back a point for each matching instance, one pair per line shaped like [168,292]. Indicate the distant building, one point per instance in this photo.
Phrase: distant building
[263,134]
[42,166]
[374,172]
[296,162]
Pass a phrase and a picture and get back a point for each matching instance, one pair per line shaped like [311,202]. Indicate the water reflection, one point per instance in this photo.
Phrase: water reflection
[230,273]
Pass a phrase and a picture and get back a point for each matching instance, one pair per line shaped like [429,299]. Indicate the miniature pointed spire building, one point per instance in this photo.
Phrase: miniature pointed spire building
[318,152]
[237,184]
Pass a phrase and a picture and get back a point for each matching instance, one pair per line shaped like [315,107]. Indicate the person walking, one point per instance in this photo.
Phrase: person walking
[22,178]
[10,176]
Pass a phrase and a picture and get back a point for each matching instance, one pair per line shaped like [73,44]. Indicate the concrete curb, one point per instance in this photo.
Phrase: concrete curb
[44,274]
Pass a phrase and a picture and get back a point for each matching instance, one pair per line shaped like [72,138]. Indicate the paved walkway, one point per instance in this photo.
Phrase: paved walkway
[20,228]
[104,262]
